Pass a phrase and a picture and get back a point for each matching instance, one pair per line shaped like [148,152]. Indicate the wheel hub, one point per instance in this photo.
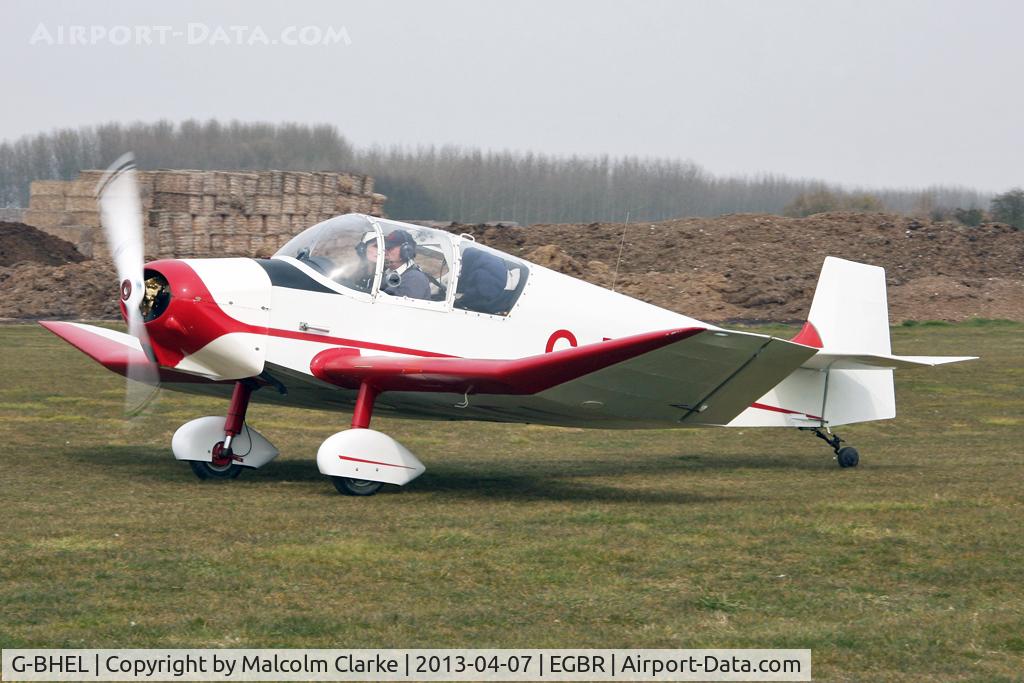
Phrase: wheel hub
[221,458]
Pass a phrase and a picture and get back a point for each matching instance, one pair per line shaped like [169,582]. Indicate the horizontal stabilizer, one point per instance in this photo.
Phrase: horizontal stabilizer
[865,361]
[849,378]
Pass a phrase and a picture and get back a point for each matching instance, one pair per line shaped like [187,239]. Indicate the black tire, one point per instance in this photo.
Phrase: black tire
[221,467]
[356,487]
[848,457]
[207,470]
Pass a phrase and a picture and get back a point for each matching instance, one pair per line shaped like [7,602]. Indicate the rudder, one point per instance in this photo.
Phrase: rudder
[850,314]
[850,311]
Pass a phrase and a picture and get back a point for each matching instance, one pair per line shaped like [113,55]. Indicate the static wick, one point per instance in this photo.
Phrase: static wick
[615,277]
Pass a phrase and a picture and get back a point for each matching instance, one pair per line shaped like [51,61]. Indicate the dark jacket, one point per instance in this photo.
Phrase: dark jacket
[414,284]
[482,281]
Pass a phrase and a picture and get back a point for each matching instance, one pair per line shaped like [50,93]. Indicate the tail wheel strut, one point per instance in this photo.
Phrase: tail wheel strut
[846,456]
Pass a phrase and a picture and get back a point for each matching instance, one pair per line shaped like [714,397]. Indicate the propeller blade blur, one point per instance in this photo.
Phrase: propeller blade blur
[121,215]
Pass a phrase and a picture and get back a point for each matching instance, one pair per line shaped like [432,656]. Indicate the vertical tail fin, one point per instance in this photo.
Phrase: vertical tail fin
[850,379]
[850,313]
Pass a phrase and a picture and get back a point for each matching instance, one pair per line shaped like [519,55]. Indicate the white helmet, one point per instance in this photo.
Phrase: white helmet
[369,237]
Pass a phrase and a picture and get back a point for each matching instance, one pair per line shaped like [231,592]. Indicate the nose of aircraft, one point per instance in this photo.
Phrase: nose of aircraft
[207,316]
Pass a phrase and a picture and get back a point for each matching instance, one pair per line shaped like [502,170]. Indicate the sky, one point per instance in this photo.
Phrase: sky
[874,94]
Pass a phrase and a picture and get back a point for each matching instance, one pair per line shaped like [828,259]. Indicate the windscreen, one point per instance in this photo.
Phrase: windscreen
[344,249]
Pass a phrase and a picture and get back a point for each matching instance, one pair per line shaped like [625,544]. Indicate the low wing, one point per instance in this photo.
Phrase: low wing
[529,375]
[707,379]
[116,351]
[691,375]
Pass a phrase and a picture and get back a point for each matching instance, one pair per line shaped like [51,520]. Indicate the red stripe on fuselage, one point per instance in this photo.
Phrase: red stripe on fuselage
[193,319]
[762,406]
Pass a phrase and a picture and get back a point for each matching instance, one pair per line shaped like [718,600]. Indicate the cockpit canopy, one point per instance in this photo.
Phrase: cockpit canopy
[376,255]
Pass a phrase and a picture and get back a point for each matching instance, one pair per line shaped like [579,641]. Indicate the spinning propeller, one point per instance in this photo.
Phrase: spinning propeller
[121,214]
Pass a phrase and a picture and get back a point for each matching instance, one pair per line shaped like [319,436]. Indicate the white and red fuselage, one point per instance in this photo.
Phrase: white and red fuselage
[370,315]
[229,320]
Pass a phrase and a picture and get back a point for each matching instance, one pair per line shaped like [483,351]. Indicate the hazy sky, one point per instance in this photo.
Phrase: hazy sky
[892,93]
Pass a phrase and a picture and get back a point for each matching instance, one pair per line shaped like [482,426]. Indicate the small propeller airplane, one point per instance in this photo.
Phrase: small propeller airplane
[372,315]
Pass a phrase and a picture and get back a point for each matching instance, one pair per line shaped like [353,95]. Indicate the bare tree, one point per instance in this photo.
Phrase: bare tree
[1008,207]
[450,182]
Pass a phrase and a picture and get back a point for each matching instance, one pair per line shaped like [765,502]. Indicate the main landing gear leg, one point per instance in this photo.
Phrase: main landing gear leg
[224,464]
[364,406]
[360,420]
[360,460]
[236,413]
[846,456]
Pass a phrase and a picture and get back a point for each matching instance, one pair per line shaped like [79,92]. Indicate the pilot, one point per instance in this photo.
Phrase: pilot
[402,276]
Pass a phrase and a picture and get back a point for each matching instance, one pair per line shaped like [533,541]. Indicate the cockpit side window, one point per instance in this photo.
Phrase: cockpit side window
[489,281]
[417,262]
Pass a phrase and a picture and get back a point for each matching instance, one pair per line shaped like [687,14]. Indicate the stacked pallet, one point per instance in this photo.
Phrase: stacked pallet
[12,214]
[206,213]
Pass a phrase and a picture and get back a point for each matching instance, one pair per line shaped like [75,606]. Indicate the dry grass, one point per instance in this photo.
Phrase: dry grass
[907,568]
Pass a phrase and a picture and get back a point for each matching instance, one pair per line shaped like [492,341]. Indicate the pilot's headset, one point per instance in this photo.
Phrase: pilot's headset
[402,237]
[369,237]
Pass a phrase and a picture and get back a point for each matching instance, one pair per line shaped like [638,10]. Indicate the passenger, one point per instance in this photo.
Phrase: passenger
[402,276]
[367,251]
[482,282]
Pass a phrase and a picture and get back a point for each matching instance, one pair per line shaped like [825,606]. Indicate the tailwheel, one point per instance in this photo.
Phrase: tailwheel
[356,487]
[847,457]
[222,466]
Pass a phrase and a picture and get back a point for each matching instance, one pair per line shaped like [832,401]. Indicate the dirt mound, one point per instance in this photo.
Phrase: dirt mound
[550,256]
[21,243]
[765,267]
[86,290]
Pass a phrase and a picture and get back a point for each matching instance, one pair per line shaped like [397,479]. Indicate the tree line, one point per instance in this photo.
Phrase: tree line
[454,183]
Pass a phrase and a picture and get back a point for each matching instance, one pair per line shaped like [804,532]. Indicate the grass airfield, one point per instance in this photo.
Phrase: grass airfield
[909,567]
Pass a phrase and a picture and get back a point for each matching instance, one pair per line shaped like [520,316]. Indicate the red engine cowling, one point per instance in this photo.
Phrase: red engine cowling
[207,317]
